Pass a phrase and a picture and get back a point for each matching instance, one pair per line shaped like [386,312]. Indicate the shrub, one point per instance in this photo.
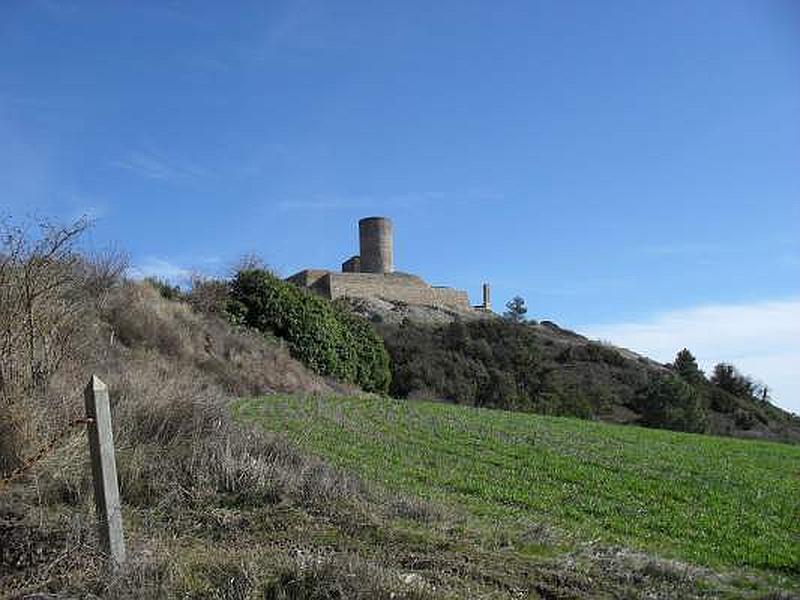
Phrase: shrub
[671,403]
[209,296]
[325,337]
[743,419]
[591,352]
[165,288]
[372,359]
[722,401]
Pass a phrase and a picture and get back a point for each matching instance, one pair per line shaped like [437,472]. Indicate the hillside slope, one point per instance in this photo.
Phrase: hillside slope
[539,367]
[146,347]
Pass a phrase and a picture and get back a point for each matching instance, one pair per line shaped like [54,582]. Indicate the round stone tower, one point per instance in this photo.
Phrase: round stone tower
[375,238]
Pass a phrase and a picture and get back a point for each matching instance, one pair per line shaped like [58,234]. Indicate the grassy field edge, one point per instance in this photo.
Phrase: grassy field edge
[716,502]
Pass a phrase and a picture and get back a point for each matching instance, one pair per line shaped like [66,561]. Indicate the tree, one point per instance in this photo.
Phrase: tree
[685,365]
[727,378]
[671,403]
[516,309]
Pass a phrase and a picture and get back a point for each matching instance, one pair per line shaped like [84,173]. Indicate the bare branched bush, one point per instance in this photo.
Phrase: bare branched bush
[209,295]
[38,284]
[48,289]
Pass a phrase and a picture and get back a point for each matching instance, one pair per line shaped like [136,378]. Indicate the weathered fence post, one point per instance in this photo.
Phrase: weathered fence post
[104,470]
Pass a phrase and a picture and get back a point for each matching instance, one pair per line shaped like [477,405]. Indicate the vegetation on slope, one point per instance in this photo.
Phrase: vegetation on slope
[329,339]
[531,367]
[713,501]
[65,315]
[486,361]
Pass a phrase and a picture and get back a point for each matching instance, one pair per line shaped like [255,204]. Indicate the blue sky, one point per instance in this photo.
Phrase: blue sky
[625,166]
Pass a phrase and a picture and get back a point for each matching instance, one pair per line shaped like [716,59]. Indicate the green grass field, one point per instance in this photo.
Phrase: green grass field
[719,502]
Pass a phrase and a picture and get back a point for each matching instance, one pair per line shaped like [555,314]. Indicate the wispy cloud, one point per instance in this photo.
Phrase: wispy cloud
[762,339]
[153,165]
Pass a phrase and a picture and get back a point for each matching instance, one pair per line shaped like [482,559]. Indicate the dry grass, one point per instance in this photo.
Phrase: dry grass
[145,347]
[239,360]
[344,576]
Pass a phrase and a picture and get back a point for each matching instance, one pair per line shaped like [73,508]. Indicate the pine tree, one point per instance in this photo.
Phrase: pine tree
[686,366]
[671,403]
[516,309]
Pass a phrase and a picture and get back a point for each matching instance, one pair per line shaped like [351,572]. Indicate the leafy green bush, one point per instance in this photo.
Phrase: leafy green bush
[720,400]
[671,403]
[325,337]
[372,359]
[591,352]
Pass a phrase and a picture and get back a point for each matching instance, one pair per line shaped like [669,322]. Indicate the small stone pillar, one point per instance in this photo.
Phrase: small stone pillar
[104,471]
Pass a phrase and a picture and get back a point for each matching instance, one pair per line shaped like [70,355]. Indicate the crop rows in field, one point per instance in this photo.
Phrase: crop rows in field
[713,501]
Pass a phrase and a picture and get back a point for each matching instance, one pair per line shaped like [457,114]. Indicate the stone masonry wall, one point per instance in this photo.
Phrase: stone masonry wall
[397,287]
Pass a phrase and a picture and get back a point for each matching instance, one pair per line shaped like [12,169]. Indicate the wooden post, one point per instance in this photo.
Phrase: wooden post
[104,470]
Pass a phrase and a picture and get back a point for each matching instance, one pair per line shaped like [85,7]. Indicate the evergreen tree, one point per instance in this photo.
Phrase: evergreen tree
[671,403]
[516,309]
[686,366]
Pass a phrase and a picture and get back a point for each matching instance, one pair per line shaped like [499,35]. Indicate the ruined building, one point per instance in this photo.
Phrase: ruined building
[371,274]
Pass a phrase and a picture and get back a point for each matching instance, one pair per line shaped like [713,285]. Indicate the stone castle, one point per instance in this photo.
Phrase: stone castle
[371,275]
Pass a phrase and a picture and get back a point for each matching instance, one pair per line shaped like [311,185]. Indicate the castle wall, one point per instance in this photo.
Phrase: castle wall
[307,278]
[403,288]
